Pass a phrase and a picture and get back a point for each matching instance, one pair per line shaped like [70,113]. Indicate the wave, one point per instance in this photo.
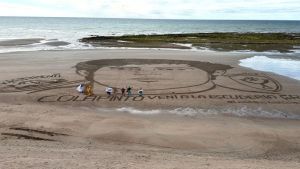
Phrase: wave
[43,44]
[194,112]
[136,111]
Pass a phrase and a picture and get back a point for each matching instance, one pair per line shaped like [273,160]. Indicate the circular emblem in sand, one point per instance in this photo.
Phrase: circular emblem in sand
[155,76]
[257,82]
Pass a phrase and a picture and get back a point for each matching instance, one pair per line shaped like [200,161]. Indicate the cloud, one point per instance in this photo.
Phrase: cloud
[160,9]
[8,9]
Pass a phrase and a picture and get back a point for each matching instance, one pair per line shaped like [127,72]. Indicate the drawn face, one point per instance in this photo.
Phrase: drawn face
[152,77]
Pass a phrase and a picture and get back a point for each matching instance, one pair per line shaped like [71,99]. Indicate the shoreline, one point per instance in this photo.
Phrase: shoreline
[246,55]
[218,41]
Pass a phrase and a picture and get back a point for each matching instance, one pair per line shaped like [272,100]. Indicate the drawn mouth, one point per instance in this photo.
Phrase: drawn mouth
[150,79]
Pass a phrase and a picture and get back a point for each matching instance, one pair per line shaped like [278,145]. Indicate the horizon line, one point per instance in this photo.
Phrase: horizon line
[83,17]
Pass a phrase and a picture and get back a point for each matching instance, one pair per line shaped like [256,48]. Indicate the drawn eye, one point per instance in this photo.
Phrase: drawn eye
[163,68]
[126,68]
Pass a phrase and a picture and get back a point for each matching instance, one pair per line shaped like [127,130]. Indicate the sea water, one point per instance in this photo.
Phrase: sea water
[282,66]
[70,30]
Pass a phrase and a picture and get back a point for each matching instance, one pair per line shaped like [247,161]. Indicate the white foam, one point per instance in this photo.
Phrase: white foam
[240,112]
[296,51]
[192,112]
[122,41]
[136,111]
[285,67]
[43,46]
[189,45]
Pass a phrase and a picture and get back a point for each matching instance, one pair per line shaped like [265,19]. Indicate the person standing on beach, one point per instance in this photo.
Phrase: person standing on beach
[115,90]
[129,91]
[80,88]
[123,91]
[141,92]
[109,90]
[88,90]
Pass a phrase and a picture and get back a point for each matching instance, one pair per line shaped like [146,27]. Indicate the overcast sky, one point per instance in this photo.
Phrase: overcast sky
[156,9]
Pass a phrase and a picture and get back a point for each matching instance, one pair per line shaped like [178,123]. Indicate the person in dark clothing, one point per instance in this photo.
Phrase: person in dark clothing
[128,91]
[123,91]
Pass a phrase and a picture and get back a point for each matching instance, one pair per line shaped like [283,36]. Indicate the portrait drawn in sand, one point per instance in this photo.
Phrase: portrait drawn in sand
[160,76]
[155,76]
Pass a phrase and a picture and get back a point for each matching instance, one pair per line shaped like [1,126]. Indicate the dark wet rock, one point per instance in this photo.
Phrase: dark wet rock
[259,42]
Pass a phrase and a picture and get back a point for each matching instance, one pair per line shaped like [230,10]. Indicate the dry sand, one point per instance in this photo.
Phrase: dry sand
[204,111]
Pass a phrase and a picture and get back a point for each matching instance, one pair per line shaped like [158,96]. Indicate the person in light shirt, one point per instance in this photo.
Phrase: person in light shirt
[141,92]
[80,88]
[109,90]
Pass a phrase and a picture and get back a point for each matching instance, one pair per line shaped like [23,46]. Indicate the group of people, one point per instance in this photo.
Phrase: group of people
[88,90]
[110,91]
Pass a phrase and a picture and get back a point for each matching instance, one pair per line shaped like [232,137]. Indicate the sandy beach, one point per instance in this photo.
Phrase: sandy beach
[200,109]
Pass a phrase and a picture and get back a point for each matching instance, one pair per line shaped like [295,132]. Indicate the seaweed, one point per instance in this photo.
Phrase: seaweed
[283,42]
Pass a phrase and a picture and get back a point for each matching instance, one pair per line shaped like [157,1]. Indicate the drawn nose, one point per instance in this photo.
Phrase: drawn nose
[147,74]
[149,79]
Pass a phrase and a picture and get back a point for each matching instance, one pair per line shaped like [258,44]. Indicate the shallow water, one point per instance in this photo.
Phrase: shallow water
[281,66]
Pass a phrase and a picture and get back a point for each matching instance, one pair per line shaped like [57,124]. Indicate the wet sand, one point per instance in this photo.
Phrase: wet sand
[18,42]
[229,116]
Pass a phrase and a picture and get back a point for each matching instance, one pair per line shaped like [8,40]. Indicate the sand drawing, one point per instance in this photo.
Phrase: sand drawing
[164,77]
[155,76]
[35,84]
[33,134]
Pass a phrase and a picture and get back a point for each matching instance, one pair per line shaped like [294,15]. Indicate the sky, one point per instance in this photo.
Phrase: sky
[156,9]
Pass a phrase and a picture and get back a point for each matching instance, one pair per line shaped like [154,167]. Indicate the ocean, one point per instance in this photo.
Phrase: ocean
[72,29]
[63,34]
